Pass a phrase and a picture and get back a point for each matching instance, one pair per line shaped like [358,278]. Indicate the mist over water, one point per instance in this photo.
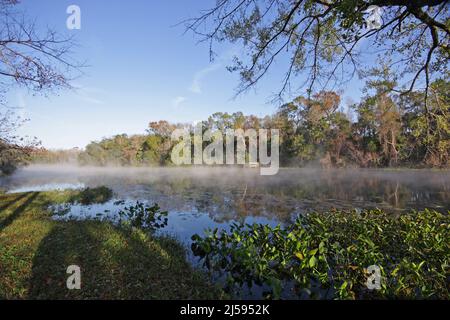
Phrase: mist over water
[225,193]
[198,198]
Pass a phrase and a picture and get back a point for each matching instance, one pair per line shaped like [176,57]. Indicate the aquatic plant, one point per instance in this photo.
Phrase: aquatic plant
[326,255]
[143,216]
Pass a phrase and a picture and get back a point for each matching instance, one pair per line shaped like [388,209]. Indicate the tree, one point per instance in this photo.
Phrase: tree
[387,113]
[149,153]
[38,61]
[389,130]
[427,127]
[13,149]
[310,125]
[338,136]
[364,144]
[379,124]
[322,39]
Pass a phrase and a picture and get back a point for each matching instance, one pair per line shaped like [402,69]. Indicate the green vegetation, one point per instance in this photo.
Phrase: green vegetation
[12,155]
[116,263]
[144,217]
[320,42]
[384,129]
[325,255]
[92,195]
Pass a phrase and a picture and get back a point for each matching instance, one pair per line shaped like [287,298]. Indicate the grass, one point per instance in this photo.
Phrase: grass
[35,252]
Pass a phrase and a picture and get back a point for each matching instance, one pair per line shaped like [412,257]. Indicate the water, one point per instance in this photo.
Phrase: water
[200,198]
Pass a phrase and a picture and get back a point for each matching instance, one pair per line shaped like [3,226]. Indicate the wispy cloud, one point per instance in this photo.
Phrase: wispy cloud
[199,76]
[92,100]
[21,106]
[176,102]
[88,94]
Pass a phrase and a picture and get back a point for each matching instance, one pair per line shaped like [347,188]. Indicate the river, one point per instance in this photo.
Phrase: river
[200,198]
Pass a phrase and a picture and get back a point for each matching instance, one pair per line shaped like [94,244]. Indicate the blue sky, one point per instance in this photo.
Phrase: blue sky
[142,68]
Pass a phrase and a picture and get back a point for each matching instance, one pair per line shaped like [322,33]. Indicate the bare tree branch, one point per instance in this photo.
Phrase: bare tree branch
[329,52]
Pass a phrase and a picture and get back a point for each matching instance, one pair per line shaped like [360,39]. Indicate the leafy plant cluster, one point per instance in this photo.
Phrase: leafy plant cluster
[142,216]
[326,255]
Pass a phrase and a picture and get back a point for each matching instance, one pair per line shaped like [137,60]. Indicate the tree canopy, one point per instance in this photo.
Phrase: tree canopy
[325,41]
[383,129]
[32,58]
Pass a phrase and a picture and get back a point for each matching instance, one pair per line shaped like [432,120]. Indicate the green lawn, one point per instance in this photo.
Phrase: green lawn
[35,252]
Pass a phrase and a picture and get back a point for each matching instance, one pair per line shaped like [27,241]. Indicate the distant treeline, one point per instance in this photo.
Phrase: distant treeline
[383,129]
[10,156]
[13,154]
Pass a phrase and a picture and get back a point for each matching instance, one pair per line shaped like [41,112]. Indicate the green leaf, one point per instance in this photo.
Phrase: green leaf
[312,262]
[299,255]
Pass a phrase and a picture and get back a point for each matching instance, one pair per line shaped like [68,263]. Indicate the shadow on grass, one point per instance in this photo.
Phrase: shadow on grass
[18,211]
[18,198]
[115,264]
[67,244]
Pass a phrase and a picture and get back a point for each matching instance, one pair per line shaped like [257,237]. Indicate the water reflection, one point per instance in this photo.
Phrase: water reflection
[200,198]
[235,194]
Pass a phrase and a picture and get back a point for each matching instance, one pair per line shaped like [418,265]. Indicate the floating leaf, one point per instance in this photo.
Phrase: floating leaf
[312,262]
[299,255]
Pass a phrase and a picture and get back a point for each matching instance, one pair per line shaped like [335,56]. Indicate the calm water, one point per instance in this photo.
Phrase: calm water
[200,198]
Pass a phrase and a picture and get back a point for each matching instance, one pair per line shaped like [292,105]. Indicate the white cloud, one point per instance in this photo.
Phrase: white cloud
[178,101]
[196,86]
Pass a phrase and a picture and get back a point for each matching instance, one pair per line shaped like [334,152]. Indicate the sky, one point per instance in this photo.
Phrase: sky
[142,67]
